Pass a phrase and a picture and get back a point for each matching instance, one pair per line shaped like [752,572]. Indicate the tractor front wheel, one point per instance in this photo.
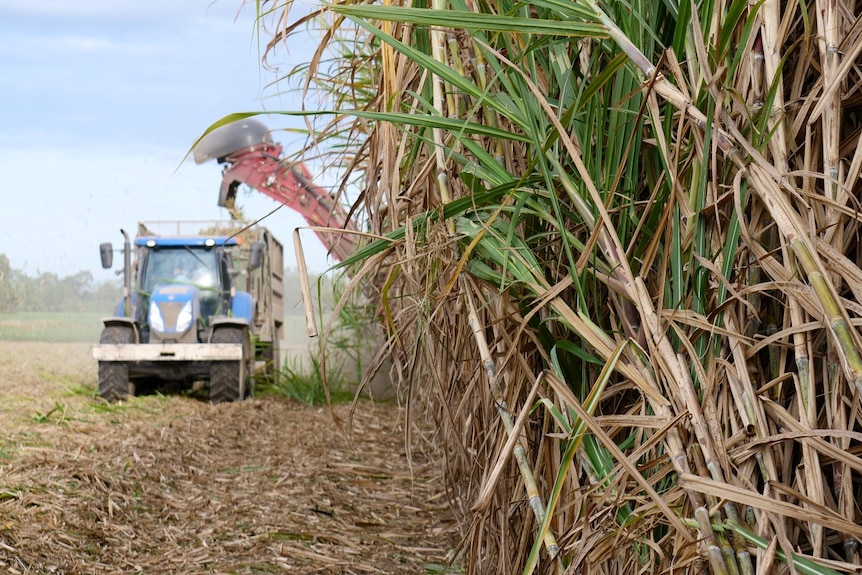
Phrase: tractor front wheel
[228,378]
[114,382]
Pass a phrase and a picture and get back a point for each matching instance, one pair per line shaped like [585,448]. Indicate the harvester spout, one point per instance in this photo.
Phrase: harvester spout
[252,158]
[244,136]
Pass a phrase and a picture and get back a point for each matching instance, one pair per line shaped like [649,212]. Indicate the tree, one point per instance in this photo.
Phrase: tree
[81,283]
[48,292]
[8,296]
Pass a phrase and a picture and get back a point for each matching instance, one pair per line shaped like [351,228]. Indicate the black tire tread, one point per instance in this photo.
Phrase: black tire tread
[114,376]
[227,378]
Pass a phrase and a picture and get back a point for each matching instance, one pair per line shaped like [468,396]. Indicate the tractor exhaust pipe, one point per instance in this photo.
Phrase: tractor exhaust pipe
[127,275]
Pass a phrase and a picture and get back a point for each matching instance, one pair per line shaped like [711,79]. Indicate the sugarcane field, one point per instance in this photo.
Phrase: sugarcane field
[589,302]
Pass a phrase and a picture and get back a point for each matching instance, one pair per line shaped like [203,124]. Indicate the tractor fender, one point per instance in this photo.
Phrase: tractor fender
[120,321]
[221,322]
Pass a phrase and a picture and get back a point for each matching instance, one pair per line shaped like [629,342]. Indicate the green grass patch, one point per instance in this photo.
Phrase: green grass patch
[51,326]
[56,415]
[84,389]
[7,451]
[306,386]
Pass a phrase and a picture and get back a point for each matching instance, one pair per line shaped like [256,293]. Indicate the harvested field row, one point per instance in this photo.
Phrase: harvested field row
[175,485]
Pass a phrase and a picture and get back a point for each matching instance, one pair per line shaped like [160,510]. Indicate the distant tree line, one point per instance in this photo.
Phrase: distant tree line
[49,292]
[81,293]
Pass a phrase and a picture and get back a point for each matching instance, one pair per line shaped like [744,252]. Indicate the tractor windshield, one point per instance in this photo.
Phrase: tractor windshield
[183,264]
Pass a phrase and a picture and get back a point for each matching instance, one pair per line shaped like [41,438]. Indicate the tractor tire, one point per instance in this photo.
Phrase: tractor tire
[228,378]
[114,382]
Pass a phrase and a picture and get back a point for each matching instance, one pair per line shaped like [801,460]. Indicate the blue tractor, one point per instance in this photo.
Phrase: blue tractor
[196,308]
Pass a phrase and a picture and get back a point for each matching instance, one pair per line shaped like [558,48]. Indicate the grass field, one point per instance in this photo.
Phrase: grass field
[86,327]
[51,326]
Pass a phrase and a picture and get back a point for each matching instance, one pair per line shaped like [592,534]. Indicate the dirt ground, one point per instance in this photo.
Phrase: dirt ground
[176,485]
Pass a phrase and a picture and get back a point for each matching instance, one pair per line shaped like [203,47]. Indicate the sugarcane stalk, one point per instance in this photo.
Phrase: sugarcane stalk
[835,314]
[843,477]
[688,396]
[438,52]
[458,65]
[480,68]
[806,396]
[770,13]
[771,18]
[746,397]
[534,499]
[717,560]
[535,502]
[757,74]
[304,285]
[828,21]
[800,563]
[828,42]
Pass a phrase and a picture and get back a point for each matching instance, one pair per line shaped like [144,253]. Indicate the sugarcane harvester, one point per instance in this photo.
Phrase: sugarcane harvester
[252,158]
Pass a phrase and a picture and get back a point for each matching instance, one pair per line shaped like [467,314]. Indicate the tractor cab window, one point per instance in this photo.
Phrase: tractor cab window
[194,266]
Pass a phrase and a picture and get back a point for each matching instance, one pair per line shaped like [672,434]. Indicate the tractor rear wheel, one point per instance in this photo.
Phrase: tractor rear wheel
[228,378]
[114,375]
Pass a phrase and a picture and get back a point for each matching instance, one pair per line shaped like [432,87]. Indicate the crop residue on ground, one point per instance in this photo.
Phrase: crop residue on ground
[175,485]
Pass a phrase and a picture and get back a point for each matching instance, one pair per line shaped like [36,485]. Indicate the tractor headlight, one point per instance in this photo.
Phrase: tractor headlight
[155,317]
[184,319]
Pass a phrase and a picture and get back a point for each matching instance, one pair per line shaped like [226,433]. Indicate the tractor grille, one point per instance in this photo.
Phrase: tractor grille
[170,310]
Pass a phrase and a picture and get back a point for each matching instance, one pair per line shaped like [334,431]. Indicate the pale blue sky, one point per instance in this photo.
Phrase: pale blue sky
[100,102]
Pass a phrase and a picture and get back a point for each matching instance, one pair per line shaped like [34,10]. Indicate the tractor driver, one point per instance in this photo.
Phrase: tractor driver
[181,272]
[194,271]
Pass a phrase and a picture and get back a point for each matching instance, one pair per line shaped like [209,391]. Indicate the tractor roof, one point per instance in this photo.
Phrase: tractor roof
[186,241]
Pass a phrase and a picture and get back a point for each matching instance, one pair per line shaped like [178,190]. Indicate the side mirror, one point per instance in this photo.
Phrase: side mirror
[106,250]
[255,258]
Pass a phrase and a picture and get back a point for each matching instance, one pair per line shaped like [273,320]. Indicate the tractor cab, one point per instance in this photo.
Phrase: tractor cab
[182,284]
